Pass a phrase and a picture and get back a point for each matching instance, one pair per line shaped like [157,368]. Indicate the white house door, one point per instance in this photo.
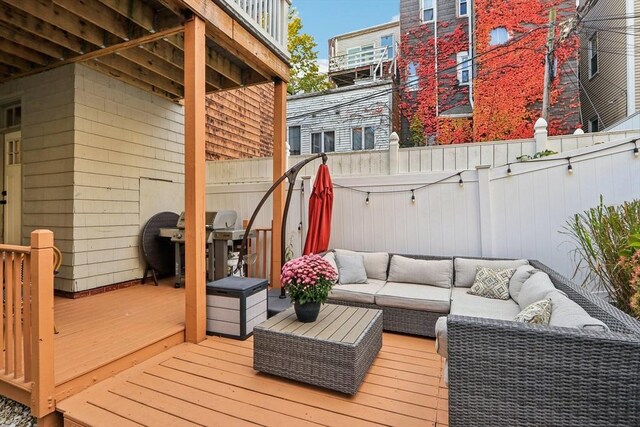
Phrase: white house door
[12,193]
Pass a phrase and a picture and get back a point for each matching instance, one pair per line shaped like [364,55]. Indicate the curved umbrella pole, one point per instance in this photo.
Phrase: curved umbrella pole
[291,176]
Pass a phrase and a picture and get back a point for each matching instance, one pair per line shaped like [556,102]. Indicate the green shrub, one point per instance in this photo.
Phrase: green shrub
[601,235]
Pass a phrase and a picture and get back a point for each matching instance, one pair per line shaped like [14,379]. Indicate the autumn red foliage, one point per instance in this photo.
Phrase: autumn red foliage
[508,82]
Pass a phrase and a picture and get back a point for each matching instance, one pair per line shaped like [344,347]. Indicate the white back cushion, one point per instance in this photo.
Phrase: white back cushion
[520,276]
[375,263]
[535,288]
[421,271]
[466,268]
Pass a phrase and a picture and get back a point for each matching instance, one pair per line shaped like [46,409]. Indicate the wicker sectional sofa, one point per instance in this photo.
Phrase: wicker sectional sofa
[505,373]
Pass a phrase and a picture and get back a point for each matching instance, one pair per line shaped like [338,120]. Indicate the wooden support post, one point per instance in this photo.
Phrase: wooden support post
[279,167]
[42,374]
[194,135]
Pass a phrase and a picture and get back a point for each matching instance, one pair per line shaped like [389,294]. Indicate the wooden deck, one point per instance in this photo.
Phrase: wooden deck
[213,383]
[104,334]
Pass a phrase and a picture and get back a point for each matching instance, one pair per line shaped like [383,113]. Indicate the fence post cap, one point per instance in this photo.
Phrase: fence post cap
[541,124]
[41,239]
[578,131]
[394,139]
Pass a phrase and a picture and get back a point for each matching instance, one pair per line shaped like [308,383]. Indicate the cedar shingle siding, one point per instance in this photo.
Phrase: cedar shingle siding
[232,129]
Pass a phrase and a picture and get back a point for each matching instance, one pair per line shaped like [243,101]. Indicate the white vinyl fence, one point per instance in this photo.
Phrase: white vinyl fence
[493,213]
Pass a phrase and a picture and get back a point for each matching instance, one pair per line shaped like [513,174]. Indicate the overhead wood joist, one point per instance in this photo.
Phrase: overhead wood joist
[126,39]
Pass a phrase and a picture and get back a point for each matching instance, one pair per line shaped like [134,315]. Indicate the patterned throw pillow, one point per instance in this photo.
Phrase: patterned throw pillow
[492,283]
[538,312]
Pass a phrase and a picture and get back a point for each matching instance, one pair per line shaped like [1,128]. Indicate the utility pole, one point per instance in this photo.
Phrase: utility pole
[548,63]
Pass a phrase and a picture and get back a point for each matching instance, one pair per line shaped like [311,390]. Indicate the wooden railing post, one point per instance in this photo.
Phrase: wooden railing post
[42,400]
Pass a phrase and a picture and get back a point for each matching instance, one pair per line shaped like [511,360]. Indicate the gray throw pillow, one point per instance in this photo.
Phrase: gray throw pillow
[350,268]
[492,283]
[534,289]
[520,276]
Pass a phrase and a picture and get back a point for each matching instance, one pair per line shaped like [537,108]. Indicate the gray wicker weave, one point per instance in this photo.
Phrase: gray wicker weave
[334,352]
[504,373]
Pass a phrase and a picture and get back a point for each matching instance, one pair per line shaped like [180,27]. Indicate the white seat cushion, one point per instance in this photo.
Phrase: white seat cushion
[464,304]
[466,268]
[362,293]
[414,296]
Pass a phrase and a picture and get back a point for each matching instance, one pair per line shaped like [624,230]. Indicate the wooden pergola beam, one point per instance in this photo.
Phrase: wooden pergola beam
[107,51]
[213,60]
[137,11]
[99,15]
[25,53]
[141,73]
[32,42]
[41,29]
[146,59]
[169,53]
[14,61]
[105,69]
[63,19]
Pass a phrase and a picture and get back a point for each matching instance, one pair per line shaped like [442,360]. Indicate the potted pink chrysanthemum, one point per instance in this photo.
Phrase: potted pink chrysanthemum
[308,280]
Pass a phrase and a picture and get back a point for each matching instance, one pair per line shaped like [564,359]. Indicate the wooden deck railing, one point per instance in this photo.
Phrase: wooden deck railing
[26,362]
[268,17]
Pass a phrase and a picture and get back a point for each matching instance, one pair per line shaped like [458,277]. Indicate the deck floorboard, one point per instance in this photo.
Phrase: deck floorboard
[213,383]
[96,330]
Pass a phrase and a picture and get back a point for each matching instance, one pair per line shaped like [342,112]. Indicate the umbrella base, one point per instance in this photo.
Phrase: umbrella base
[275,304]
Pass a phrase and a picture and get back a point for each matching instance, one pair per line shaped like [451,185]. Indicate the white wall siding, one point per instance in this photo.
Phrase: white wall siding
[374,111]
[122,134]
[362,38]
[47,163]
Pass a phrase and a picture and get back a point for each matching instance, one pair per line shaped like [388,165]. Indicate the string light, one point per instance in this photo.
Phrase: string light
[460,181]
[366,202]
[636,152]
[569,167]
[509,169]
[413,196]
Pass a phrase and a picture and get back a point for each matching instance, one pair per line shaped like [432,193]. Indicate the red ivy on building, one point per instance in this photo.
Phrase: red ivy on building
[508,82]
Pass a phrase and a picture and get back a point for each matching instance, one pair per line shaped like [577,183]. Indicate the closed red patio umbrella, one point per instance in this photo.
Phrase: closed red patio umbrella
[320,209]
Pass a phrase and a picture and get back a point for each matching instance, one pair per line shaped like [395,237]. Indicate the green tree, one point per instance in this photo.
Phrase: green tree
[305,74]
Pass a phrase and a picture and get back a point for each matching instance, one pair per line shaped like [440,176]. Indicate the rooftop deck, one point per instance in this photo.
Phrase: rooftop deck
[213,383]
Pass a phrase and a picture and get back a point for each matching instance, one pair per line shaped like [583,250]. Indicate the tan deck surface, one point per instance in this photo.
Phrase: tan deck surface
[213,383]
[99,329]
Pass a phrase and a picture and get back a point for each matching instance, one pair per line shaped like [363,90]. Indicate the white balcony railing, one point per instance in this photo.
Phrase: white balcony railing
[268,17]
[359,59]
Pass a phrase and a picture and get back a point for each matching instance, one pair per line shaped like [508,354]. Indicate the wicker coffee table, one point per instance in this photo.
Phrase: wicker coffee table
[334,352]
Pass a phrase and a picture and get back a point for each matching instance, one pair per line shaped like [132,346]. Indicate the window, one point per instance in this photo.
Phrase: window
[412,77]
[464,68]
[323,142]
[12,116]
[369,133]
[13,152]
[387,41]
[428,10]
[294,140]
[499,35]
[593,125]
[593,55]
[463,7]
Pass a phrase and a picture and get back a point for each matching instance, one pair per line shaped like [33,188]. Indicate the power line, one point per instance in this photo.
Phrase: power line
[385,92]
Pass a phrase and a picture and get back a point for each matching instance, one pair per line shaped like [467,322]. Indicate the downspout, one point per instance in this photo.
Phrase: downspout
[435,43]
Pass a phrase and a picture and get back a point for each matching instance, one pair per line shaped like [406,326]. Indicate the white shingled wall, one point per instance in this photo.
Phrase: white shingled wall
[47,157]
[122,135]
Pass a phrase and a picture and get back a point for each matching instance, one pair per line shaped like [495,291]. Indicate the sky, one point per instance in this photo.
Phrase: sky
[324,19]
